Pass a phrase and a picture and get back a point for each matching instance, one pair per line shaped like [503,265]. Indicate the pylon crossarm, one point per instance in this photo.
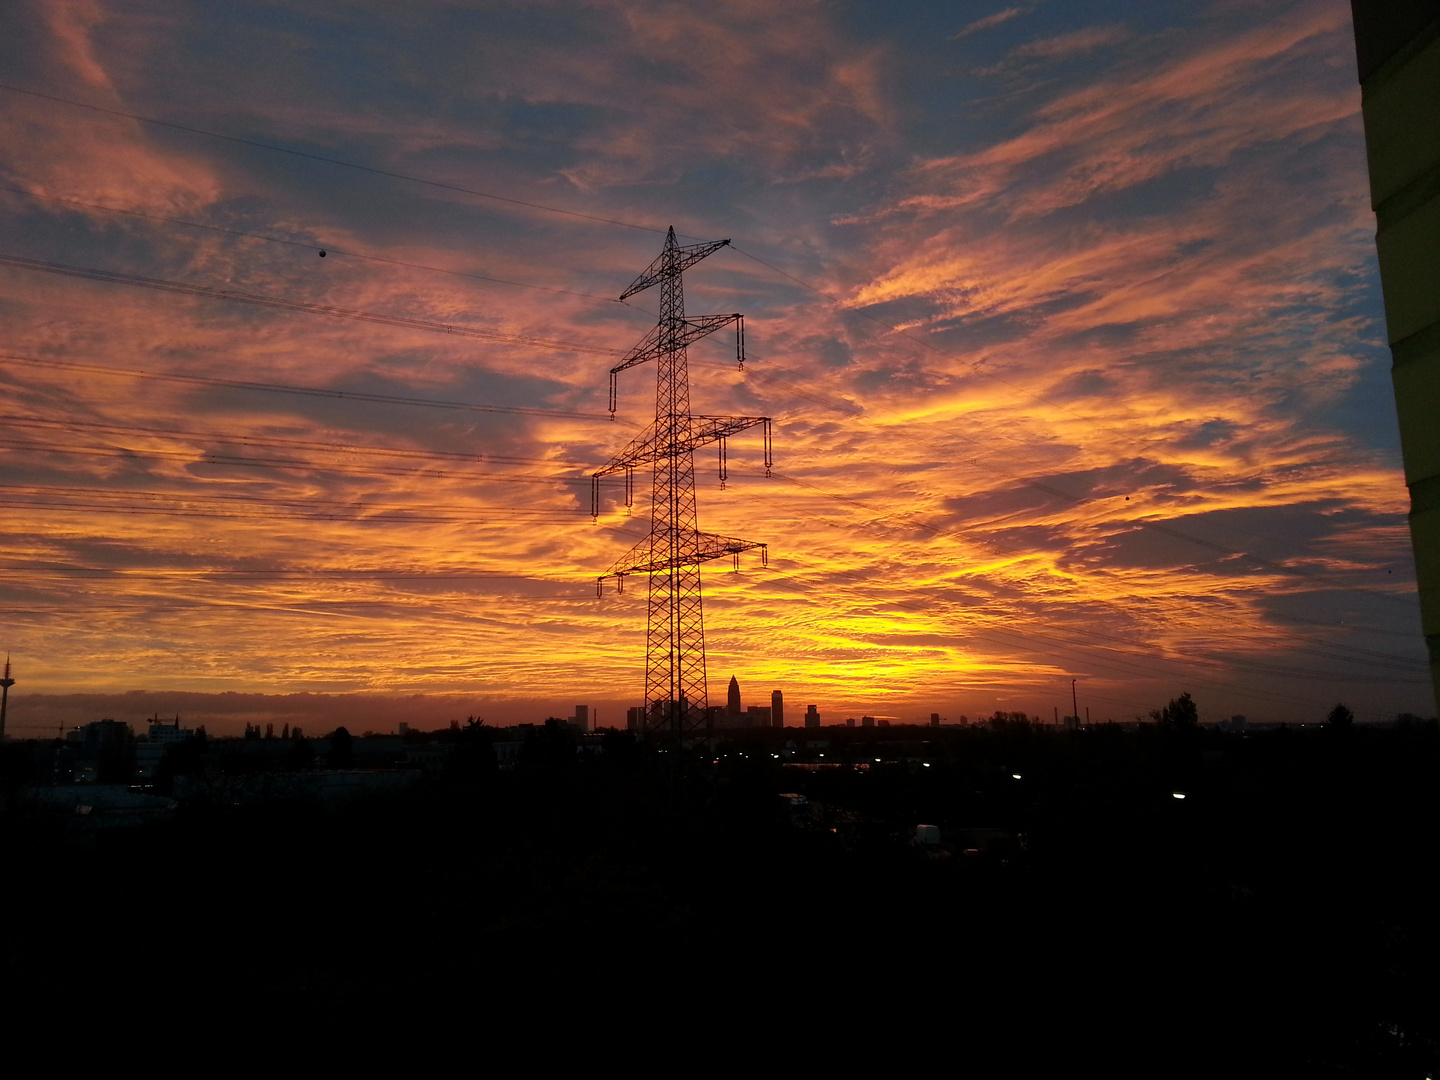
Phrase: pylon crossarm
[647,448]
[651,556]
[690,330]
[672,261]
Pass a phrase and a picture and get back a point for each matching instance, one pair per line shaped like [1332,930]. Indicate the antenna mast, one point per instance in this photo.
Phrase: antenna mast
[5,685]
[675,694]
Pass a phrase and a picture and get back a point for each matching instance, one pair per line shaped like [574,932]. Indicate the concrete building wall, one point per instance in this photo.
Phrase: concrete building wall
[1397,45]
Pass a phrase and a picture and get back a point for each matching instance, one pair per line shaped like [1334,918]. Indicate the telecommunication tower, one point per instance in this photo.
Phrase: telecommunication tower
[5,685]
[675,696]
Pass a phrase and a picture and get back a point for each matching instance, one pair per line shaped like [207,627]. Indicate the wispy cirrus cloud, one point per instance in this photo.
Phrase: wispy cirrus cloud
[988,21]
[1129,312]
[1071,44]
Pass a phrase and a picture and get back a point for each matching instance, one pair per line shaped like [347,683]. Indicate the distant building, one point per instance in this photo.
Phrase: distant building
[102,752]
[758,715]
[934,719]
[507,752]
[812,717]
[162,731]
[100,733]
[777,709]
[634,718]
[732,698]
[849,721]
[868,721]
[582,717]
[429,757]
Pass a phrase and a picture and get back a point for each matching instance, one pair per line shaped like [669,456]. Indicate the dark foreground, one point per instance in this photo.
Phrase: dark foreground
[1280,919]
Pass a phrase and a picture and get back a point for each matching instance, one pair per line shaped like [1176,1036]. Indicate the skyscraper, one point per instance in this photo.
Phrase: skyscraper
[777,709]
[732,703]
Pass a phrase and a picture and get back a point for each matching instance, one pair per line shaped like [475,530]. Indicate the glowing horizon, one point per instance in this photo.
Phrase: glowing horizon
[1069,322]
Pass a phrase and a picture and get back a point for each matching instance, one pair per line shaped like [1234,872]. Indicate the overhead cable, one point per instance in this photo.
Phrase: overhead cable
[329,160]
[308,246]
[308,391]
[257,300]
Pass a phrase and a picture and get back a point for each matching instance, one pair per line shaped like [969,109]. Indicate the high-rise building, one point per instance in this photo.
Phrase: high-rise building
[812,717]
[732,699]
[582,717]
[934,719]
[777,709]
[867,721]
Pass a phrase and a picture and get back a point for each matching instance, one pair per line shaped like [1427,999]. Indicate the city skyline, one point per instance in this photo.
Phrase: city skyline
[1068,319]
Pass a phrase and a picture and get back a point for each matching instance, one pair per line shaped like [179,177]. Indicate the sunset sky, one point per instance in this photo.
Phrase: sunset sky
[1067,314]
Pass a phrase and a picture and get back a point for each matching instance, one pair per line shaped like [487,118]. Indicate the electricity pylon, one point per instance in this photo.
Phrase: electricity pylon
[675,697]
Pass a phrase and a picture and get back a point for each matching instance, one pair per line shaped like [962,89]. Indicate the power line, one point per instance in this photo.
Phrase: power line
[393,517]
[237,460]
[258,300]
[415,519]
[328,248]
[1220,549]
[975,366]
[126,500]
[537,206]
[282,574]
[178,434]
[447,328]
[1126,663]
[391,320]
[1367,656]
[309,391]
[330,161]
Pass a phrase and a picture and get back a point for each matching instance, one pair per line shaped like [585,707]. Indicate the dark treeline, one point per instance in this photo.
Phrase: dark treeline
[1278,915]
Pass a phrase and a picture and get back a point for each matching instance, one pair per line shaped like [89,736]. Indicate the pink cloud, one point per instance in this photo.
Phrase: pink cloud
[987,22]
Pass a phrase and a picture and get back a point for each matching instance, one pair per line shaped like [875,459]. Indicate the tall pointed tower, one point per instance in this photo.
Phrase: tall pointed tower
[5,685]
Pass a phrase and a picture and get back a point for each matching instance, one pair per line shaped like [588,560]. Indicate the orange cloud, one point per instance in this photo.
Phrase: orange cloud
[1101,447]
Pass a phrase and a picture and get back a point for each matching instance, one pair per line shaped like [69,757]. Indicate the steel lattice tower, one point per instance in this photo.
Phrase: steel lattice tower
[675,695]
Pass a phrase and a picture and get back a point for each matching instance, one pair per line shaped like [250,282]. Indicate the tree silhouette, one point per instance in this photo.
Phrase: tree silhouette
[1180,714]
[1340,716]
